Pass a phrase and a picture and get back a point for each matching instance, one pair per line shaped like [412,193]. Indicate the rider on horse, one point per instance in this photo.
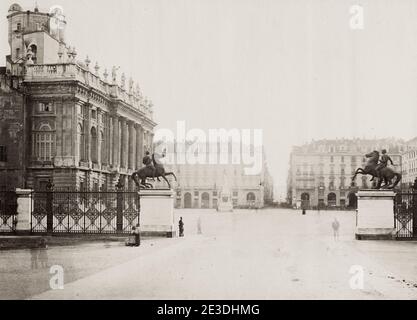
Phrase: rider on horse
[148,162]
[383,162]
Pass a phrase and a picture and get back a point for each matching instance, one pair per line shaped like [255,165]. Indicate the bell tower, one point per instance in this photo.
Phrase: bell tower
[35,35]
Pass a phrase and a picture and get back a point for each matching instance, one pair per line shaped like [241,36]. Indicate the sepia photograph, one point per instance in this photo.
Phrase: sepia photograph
[208,150]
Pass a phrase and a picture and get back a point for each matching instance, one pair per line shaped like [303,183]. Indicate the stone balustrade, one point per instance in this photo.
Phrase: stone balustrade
[72,71]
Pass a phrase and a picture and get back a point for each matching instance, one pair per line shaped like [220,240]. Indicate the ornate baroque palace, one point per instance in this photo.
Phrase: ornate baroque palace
[60,121]
[320,172]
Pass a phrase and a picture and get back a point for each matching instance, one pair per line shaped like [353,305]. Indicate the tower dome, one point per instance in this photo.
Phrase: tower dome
[15,7]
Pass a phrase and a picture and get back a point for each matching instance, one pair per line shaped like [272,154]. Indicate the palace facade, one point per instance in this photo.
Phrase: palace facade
[62,120]
[320,172]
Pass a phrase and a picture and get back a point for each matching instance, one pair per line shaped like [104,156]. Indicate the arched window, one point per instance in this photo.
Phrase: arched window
[187,200]
[205,200]
[44,143]
[250,198]
[331,199]
[81,142]
[94,145]
[305,200]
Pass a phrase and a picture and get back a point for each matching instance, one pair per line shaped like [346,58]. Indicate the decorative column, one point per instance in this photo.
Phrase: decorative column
[110,139]
[126,145]
[139,146]
[151,145]
[99,137]
[123,140]
[87,132]
[134,147]
[116,142]
[131,145]
[145,140]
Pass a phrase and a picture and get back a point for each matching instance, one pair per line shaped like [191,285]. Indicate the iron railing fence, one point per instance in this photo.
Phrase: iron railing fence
[88,212]
[405,214]
[8,211]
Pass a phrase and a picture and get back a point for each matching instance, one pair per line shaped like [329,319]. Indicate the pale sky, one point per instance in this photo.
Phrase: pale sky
[292,68]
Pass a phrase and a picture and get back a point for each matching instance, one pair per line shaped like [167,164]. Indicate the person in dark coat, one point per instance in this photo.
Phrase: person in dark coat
[181,227]
[137,235]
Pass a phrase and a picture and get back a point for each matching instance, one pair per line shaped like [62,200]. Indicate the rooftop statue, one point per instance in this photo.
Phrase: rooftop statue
[378,168]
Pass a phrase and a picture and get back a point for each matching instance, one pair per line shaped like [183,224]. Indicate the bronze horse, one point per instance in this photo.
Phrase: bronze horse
[386,174]
[143,174]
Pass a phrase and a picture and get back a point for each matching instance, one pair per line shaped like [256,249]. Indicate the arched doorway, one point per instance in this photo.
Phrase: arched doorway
[250,199]
[353,201]
[331,200]
[305,200]
[187,201]
[205,200]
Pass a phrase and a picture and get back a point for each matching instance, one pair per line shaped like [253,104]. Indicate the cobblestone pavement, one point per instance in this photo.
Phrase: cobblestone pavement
[265,254]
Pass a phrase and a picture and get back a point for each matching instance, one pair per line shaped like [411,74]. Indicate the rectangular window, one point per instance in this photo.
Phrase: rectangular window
[45,107]
[3,154]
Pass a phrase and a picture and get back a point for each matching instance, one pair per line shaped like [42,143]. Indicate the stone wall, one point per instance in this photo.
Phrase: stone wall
[11,136]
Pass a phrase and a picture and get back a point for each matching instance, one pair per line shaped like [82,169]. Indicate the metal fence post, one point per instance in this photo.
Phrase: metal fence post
[49,207]
[119,218]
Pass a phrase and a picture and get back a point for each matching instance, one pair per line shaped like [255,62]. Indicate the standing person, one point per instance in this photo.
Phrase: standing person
[148,162]
[43,253]
[181,227]
[383,162]
[335,226]
[137,235]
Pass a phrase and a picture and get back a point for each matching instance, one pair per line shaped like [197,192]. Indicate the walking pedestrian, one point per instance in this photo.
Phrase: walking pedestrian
[181,227]
[137,235]
[336,226]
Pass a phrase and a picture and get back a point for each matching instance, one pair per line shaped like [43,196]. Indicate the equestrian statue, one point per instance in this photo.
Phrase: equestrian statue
[153,169]
[378,168]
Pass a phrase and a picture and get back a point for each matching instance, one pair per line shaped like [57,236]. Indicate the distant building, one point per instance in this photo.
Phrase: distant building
[61,119]
[409,167]
[320,172]
[202,185]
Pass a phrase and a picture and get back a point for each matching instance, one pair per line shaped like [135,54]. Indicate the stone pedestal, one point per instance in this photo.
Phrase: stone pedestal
[24,210]
[157,213]
[375,217]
